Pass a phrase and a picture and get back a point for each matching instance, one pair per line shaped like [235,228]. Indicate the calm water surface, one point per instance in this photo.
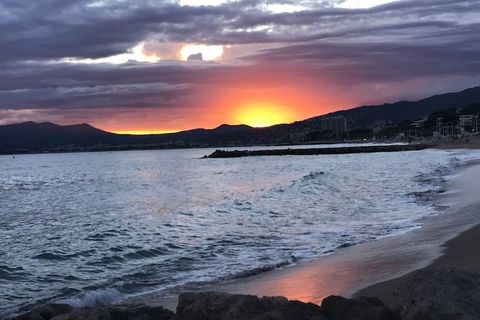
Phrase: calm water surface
[101,226]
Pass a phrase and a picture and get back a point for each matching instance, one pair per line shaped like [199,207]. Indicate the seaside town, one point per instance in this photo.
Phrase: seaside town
[445,125]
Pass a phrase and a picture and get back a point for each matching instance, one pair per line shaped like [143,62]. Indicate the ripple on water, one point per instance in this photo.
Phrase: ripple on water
[12,273]
[62,256]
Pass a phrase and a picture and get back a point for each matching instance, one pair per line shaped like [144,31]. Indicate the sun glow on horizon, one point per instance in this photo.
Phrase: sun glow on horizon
[143,132]
[261,115]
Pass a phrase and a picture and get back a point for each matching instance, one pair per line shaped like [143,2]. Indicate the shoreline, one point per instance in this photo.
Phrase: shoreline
[459,253]
[474,143]
[351,270]
[444,240]
[114,148]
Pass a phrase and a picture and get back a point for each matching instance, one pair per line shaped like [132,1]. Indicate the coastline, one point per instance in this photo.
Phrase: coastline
[367,268]
[460,253]
[375,268]
[472,143]
[448,241]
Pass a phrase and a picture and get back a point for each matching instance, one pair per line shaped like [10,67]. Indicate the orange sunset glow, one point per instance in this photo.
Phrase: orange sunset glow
[278,63]
[255,114]
[249,106]
[263,115]
[143,132]
[259,113]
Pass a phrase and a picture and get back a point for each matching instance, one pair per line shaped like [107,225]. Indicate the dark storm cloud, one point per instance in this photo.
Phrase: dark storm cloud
[395,42]
[50,29]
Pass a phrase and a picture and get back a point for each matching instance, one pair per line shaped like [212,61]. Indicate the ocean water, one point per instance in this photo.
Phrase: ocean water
[98,227]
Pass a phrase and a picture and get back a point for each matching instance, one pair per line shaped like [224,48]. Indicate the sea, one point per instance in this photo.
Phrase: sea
[88,228]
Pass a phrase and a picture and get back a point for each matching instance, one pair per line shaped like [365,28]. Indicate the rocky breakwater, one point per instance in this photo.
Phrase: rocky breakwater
[318,151]
[428,294]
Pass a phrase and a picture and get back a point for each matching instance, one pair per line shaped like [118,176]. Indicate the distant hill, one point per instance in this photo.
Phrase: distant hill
[49,137]
[369,116]
[41,137]
[29,135]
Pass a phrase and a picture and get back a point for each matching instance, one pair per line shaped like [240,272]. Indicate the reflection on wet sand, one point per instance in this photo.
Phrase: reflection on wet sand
[350,269]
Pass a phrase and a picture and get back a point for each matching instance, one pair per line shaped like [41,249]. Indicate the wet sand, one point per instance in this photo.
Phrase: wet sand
[461,253]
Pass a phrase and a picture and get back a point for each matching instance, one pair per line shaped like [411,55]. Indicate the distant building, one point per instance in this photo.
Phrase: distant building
[468,122]
[419,123]
[337,125]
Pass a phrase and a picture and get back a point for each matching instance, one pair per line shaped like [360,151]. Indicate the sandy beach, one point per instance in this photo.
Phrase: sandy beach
[460,252]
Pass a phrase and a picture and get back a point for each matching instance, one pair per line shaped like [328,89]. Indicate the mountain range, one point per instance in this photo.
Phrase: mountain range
[48,137]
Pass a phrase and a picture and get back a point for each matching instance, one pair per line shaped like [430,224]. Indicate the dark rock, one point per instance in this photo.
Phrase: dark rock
[339,308]
[438,294]
[45,312]
[118,313]
[428,294]
[228,154]
[431,313]
[318,151]
[222,306]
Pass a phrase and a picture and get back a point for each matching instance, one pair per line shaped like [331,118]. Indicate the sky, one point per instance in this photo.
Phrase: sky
[150,66]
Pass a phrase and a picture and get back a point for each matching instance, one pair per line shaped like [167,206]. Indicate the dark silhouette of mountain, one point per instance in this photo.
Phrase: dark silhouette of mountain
[49,137]
[39,137]
[369,116]
[222,132]
[32,135]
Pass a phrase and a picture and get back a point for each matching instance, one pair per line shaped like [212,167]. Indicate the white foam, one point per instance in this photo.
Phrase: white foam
[463,188]
[95,298]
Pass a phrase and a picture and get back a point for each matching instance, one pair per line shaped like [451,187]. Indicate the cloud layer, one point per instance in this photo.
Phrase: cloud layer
[317,56]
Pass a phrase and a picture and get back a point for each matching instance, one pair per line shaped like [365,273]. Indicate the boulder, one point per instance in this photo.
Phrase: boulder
[45,312]
[117,313]
[433,293]
[222,306]
[340,308]
[427,294]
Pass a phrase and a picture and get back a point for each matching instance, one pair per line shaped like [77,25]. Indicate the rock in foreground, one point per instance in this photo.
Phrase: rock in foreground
[440,294]
[339,308]
[46,312]
[223,306]
[428,294]
[220,306]
[64,312]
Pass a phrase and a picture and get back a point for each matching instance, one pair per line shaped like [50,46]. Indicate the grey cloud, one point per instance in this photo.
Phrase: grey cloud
[195,57]
[52,29]
[394,43]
